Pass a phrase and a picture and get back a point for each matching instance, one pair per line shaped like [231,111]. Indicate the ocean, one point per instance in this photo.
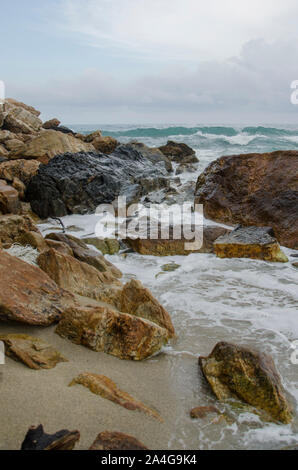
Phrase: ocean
[243,301]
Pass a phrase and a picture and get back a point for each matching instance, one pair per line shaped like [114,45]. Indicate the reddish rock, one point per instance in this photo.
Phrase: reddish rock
[116,441]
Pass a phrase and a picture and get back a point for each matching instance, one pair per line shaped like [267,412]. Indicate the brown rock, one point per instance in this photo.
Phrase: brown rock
[105,329]
[33,352]
[51,143]
[23,105]
[94,135]
[250,242]
[37,439]
[28,295]
[202,411]
[21,120]
[106,388]
[33,239]
[105,144]
[116,441]
[9,199]
[171,247]
[24,170]
[240,373]
[7,135]
[3,152]
[83,253]
[59,246]
[51,123]
[179,152]
[12,226]
[15,147]
[254,189]
[73,275]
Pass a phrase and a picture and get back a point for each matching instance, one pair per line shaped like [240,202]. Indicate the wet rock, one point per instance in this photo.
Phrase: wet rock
[295,265]
[254,189]
[9,199]
[235,372]
[24,170]
[108,246]
[185,168]
[13,226]
[153,154]
[51,143]
[105,329]
[33,352]
[28,295]
[78,183]
[51,123]
[170,267]
[179,152]
[202,412]
[37,439]
[116,441]
[250,242]
[106,388]
[83,253]
[33,239]
[172,246]
[73,275]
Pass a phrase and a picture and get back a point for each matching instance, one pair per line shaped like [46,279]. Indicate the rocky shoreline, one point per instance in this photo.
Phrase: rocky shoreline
[46,170]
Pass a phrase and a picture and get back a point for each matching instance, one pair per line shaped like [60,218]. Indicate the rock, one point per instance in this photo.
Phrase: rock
[33,239]
[171,247]
[33,352]
[105,329]
[64,130]
[106,388]
[26,211]
[9,199]
[185,168]
[235,372]
[83,253]
[37,439]
[7,135]
[51,123]
[250,242]
[153,154]
[20,120]
[28,295]
[3,152]
[78,183]
[24,170]
[28,108]
[295,265]
[59,246]
[116,441]
[254,189]
[12,226]
[15,147]
[170,267]
[51,143]
[202,411]
[108,246]
[94,135]
[20,188]
[178,152]
[73,275]
[105,144]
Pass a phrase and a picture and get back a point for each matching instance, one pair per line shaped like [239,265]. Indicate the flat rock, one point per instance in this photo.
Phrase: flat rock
[235,372]
[250,242]
[253,189]
[37,439]
[33,352]
[28,295]
[106,388]
[116,441]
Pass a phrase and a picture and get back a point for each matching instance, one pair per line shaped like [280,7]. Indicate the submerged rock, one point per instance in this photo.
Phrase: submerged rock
[108,246]
[37,439]
[202,411]
[116,441]
[102,328]
[79,182]
[179,152]
[235,372]
[254,189]
[33,352]
[28,295]
[106,388]
[250,242]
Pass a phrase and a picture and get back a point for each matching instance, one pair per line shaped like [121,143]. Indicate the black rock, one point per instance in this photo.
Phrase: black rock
[37,439]
[63,129]
[78,183]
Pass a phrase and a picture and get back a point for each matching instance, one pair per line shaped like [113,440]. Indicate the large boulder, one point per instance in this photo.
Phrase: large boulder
[153,154]
[24,170]
[28,108]
[253,189]
[179,152]
[78,183]
[250,242]
[103,328]
[9,199]
[235,372]
[28,295]
[13,226]
[20,118]
[50,143]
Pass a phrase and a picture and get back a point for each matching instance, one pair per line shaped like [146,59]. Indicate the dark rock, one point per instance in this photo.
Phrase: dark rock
[37,439]
[179,152]
[116,441]
[78,183]
[153,154]
[63,129]
[253,189]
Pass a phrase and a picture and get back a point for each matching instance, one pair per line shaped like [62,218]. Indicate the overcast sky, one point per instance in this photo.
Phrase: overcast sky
[152,61]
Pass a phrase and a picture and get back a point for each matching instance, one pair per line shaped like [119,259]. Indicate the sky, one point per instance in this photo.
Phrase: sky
[152,61]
